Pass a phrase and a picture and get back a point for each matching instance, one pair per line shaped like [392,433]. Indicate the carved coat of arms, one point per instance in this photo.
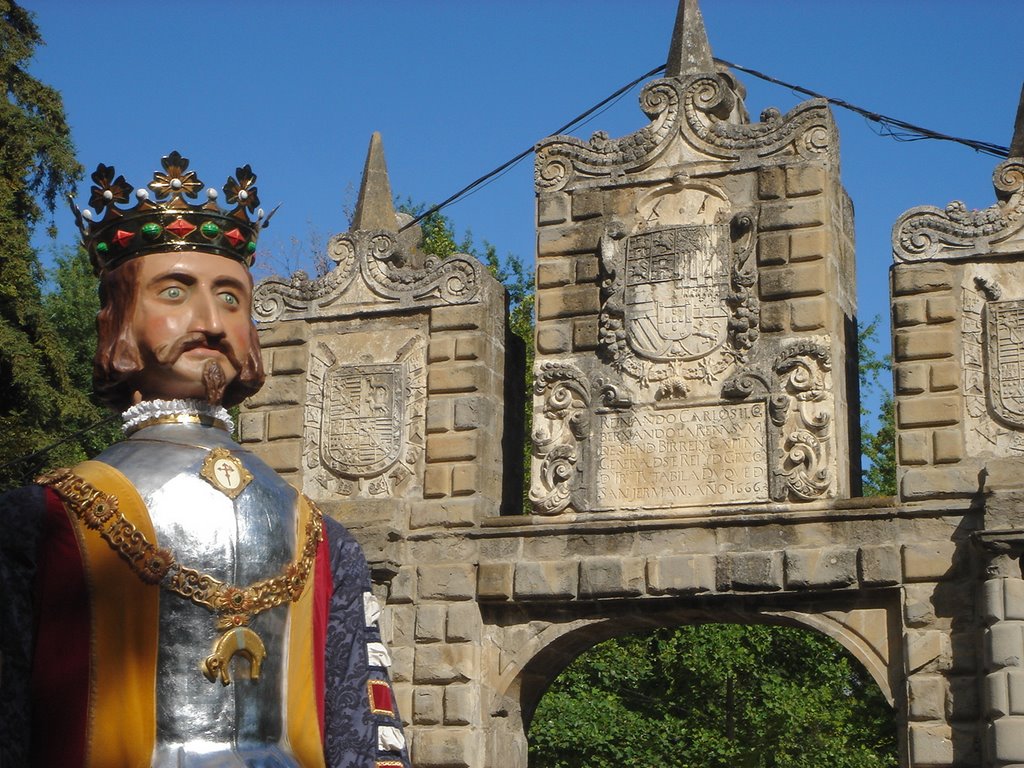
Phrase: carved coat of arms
[676,281]
[362,418]
[1005,346]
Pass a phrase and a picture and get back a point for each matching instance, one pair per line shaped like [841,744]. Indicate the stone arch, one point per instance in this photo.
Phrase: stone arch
[861,630]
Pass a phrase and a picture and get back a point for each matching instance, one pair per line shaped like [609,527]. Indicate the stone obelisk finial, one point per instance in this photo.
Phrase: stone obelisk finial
[1017,142]
[690,52]
[375,208]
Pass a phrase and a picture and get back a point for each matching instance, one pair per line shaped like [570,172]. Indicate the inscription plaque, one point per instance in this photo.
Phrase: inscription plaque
[683,456]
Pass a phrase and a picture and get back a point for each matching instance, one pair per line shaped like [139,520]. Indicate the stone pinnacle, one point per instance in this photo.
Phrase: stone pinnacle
[375,208]
[1017,142]
[690,52]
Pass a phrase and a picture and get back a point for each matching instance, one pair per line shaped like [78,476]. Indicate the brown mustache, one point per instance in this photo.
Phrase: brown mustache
[166,354]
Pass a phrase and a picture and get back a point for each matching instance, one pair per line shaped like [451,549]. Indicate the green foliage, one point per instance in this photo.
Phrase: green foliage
[714,695]
[878,446]
[37,165]
[71,305]
[439,240]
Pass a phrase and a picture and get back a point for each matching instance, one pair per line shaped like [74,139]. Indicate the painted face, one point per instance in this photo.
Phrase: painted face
[191,308]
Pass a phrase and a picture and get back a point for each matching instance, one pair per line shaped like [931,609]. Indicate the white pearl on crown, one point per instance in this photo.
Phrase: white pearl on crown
[142,194]
[243,195]
[87,214]
[108,195]
[211,193]
[175,183]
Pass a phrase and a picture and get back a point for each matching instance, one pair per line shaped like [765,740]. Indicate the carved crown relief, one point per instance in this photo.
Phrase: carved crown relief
[706,112]
[678,309]
[371,268]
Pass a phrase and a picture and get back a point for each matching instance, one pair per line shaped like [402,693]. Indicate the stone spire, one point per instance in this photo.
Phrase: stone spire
[1017,142]
[376,208]
[690,52]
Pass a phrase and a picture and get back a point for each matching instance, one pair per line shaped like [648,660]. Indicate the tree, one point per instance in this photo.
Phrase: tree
[877,446]
[37,165]
[714,695]
[439,240]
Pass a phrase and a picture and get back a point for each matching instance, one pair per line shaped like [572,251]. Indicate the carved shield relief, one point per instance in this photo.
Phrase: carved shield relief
[361,422]
[676,282]
[1004,341]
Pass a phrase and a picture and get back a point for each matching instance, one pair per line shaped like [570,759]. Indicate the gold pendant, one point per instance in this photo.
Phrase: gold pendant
[242,641]
[225,472]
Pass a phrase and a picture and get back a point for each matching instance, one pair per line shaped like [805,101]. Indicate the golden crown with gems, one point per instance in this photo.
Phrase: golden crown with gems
[164,220]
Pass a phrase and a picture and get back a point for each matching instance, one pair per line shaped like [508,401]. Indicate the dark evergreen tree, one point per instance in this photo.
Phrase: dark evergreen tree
[38,402]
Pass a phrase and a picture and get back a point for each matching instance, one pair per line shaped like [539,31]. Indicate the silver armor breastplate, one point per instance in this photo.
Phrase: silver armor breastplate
[238,541]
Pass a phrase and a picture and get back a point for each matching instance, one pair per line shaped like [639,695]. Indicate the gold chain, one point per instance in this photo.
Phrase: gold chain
[234,605]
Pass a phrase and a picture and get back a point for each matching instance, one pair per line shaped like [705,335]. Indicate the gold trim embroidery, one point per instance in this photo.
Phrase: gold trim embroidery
[235,606]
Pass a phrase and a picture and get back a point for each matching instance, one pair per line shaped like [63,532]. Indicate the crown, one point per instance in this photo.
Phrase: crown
[163,220]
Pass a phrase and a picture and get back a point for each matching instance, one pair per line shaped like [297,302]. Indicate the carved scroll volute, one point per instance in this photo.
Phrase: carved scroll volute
[561,425]
[798,388]
[955,232]
[801,410]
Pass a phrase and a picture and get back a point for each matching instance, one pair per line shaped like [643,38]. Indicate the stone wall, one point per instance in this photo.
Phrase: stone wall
[695,448]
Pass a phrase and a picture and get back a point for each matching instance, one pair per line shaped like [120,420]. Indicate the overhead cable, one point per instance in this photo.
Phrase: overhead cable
[900,130]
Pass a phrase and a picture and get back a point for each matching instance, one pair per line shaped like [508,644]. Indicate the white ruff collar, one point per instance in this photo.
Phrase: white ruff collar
[150,412]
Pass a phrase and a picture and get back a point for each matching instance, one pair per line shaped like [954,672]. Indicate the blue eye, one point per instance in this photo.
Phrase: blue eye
[174,292]
[229,298]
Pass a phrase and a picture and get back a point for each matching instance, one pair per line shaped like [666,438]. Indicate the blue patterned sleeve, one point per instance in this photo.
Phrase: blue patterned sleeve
[362,725]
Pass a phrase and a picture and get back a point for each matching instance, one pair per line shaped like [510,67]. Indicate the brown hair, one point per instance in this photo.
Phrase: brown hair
[117,351]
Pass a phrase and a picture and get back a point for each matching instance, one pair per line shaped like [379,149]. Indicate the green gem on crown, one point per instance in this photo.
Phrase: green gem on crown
[151,231]
[251,247]
[209,229]
[102,247]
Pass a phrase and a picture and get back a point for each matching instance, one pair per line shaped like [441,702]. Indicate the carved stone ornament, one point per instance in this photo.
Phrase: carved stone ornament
[798,386]
[678,306]
[370,269]
[561,428]
[707,112]
[1004,345]
[992,346]
[363,430]
[926,233]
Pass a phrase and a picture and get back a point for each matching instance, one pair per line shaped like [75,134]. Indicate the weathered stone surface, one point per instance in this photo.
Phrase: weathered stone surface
[681,574]
[925,344]
[755,571]
[927,697]
[443,748]
[928,562]
[611,577]
[816,568]
[427,705]
[494,581]
[879,565]
[921,278]
[931,744]
[553,580]
[446,582]
[430,622]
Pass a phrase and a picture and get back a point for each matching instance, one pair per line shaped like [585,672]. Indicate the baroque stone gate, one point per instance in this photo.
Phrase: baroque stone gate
[695,425]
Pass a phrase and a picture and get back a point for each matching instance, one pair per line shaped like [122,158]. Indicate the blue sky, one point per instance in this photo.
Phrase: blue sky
[457,88]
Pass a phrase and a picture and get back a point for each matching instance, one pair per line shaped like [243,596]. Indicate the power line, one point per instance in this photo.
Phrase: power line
[893,127]
[897,129]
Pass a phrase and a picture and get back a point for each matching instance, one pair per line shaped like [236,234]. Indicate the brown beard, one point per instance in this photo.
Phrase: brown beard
[215,382]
